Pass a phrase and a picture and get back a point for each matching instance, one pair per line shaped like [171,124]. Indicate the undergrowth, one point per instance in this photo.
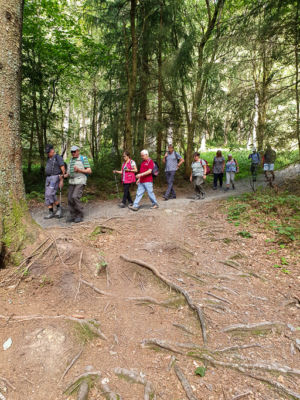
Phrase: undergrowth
[278,213]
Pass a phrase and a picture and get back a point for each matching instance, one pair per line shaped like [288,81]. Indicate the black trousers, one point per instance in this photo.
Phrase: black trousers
[218,177]
[126,195]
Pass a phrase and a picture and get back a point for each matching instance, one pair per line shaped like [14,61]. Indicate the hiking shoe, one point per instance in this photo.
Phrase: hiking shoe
[58,213]
[202,196]
[226,189]
[197,197]
[215,188]
[122,205]
[165,199]
[50,215]
[154,206]
[130,204]
[132,208]
[233,187]
[78,219]
[70,219]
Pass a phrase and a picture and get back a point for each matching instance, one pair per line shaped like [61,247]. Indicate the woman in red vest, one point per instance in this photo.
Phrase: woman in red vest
[127,171]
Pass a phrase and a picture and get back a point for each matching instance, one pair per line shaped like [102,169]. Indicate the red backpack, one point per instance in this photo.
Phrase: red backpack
[208,170]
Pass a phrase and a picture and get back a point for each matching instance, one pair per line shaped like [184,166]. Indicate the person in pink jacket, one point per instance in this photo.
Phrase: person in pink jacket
[128,177]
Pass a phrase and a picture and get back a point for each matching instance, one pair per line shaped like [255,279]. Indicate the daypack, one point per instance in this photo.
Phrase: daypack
[155,170]
[55,160]
[208,170]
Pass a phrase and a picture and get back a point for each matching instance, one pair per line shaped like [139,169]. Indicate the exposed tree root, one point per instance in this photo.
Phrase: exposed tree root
[257,327]
[185,383]
[70,365]
[83,391]
[273,367]
[109,394]
[232,348]
[95,288]
[172,285]
[217,297]
[184,328]
[33,253]
[88,377]
[162,344]
[7,382]
[93,325]
[137,378]
[241,396]
[277,386]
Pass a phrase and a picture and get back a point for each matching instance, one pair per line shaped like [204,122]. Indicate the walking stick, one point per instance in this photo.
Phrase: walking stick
[117,185]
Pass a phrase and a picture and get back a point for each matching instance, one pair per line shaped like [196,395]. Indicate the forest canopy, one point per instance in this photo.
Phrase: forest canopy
[113,75]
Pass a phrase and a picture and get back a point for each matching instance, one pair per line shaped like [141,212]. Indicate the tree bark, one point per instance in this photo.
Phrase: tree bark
[297,74]
[159,92]
[12,193]
[132,72]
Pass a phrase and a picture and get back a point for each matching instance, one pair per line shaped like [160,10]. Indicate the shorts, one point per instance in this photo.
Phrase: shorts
[268,167]
[51,187]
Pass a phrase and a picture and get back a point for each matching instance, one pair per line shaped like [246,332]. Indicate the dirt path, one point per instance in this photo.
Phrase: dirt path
[145,326]
[108,209]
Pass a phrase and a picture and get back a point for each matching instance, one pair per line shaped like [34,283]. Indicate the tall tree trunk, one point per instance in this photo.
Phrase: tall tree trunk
[159,93]
[132,72]
[40,138]
[12,197]
[201,80]
[297,74]
[30,147]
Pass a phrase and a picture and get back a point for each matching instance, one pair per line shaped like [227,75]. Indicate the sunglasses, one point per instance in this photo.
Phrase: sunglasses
[73,151]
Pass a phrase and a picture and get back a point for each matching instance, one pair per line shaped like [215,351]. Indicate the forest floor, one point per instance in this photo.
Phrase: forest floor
[138,301]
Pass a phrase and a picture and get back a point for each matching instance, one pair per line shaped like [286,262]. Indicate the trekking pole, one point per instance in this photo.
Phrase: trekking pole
[117,185]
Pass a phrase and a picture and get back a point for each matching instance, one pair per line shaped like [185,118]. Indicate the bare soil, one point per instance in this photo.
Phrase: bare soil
[231,278]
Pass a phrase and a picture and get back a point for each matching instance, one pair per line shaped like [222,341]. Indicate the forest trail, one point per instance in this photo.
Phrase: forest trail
[109,209]
[250,309]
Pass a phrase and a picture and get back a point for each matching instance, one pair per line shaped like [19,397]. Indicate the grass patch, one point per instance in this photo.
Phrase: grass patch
[277,213]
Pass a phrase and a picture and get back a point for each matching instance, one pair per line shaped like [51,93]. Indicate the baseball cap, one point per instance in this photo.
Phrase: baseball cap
[229,155]
[74,148]
[48,148]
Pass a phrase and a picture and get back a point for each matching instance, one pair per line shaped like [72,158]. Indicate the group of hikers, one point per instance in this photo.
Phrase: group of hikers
[79,168]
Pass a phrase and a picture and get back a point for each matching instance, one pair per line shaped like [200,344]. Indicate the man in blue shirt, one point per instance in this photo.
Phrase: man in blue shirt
[255,160]
[173,160]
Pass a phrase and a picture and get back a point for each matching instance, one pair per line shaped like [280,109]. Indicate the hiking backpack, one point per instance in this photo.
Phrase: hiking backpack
[155,170]
[208,170]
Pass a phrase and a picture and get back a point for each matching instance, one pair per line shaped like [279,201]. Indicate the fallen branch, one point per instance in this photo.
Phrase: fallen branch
[79,282]
[173,286]
[70,365]
[185,383]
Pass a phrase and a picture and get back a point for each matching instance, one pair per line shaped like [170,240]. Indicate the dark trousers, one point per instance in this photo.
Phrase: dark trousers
[218,177]
[74,195]
[170,175]
[126,195]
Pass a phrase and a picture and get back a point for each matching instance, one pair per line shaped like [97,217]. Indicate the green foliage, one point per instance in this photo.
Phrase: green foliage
[245,234]
[200,371]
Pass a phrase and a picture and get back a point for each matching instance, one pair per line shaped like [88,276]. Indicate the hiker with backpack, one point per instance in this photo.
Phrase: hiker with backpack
[255,160]
[127,172]
[145,181]
[218,169]
[173,160]
[269,160]
[232,168]
[54,171]
[78,169]
[198,176]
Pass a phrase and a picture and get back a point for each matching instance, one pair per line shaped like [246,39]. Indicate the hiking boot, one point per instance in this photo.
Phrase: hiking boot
[197,197]
[50,215]
[132,208]
[215,188]
[70,219]
[58,213]
[154,206]
[202,196]
[122,205]
[233,187]
[226,189]
[130,204]
[165,199]
[78,219]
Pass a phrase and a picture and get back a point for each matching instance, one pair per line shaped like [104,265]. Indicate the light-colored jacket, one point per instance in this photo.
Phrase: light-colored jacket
[77,178]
